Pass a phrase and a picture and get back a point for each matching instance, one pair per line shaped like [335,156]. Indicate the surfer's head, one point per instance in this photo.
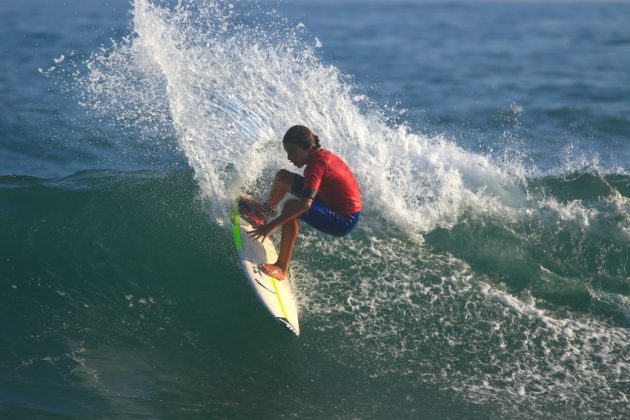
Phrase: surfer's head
[299,141]
[301,136]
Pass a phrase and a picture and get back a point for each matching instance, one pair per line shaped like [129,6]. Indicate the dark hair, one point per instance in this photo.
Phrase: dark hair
[301,136]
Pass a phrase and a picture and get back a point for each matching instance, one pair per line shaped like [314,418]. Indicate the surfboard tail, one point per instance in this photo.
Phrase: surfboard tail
[284,322]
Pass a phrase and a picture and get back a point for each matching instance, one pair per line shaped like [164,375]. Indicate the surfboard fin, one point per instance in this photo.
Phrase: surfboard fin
[287,324]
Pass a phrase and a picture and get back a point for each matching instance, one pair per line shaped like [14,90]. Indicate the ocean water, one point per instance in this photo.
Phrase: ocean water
[489,276]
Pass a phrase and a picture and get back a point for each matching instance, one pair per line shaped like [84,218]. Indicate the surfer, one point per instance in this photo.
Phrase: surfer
[327,197]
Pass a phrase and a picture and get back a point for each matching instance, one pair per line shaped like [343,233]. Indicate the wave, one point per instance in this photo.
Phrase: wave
[493,312]
[466,272]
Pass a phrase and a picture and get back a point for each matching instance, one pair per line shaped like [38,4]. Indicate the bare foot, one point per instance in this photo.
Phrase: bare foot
[254,212]
[273,271]
[249,201]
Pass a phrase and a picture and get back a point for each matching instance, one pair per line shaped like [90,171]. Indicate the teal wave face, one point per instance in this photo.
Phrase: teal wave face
[116,286]
[108,279]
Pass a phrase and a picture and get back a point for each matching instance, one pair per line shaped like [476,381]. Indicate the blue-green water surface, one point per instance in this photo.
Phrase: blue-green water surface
[489,276]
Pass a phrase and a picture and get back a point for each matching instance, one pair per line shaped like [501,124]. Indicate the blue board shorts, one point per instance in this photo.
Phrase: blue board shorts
[321,217]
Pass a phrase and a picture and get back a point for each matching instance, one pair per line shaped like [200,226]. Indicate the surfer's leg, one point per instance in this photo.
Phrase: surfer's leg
[258,214]
[282,184]
[290,232]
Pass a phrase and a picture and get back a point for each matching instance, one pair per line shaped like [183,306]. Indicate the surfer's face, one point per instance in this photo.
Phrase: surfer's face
[296,154]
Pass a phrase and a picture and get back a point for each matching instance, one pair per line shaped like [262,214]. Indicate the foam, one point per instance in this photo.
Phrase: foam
[429,313]
[230,91]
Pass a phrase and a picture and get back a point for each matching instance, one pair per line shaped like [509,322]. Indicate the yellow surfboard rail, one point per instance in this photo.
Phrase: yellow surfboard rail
[239,245]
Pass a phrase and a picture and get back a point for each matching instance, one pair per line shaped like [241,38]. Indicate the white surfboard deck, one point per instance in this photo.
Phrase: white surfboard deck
[275,295]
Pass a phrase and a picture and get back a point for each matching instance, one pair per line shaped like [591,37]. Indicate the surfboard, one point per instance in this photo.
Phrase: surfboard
[276,296]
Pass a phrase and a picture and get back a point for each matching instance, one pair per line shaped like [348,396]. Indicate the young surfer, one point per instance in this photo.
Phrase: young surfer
[328,197]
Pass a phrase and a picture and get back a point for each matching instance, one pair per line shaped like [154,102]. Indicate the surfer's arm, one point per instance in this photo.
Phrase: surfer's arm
[291,210]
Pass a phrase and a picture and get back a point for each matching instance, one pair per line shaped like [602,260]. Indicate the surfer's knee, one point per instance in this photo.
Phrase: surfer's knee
[284,178]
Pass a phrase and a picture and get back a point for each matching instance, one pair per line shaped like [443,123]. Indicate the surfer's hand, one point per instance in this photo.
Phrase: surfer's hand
[261,232]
